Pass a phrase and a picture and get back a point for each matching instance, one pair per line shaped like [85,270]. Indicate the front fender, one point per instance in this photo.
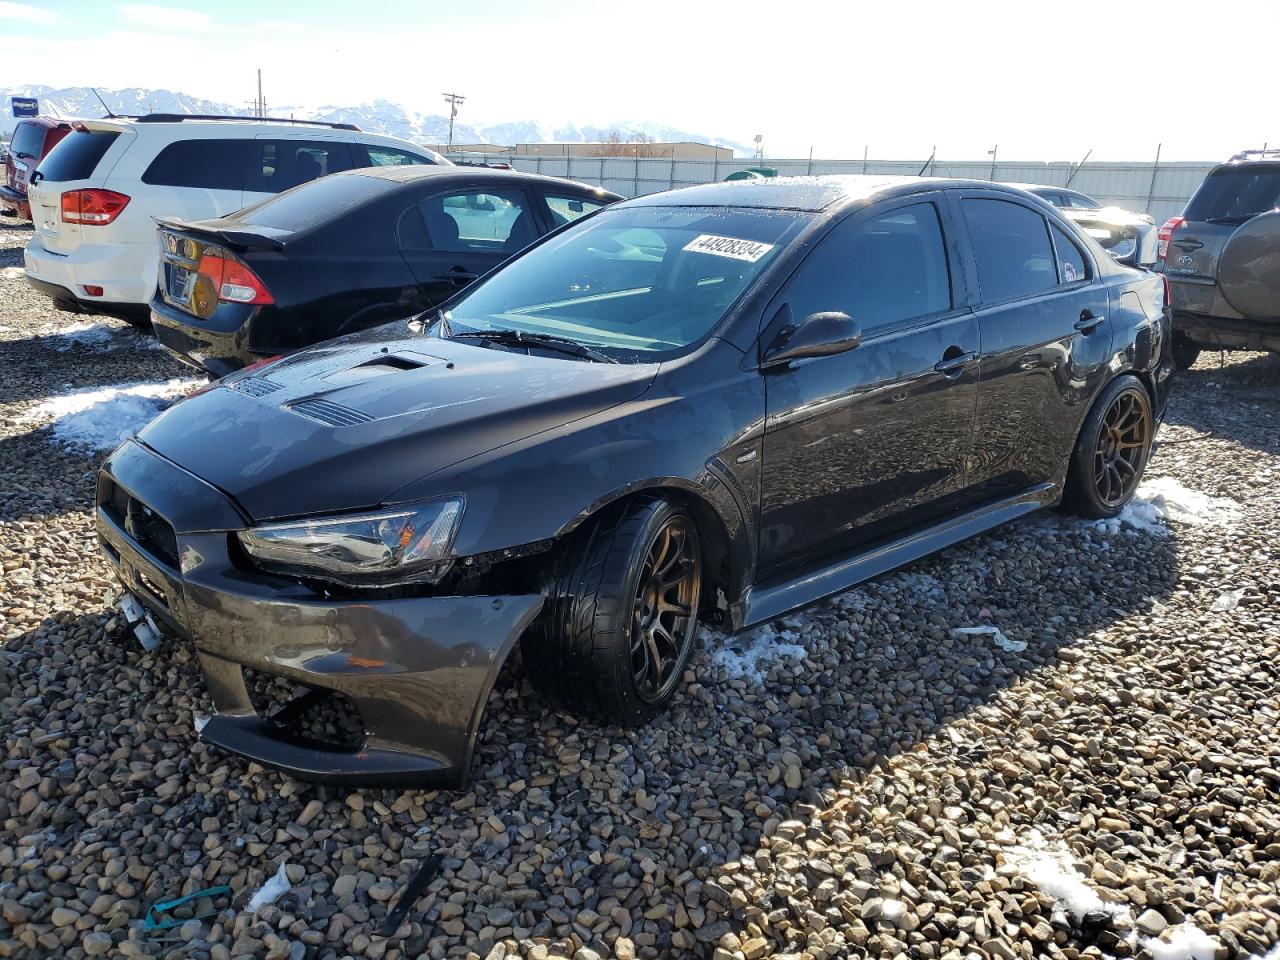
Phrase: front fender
[695,434]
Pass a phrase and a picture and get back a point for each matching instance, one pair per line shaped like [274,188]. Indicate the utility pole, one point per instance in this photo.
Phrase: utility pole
[453,99]
[993,151]
[260,104]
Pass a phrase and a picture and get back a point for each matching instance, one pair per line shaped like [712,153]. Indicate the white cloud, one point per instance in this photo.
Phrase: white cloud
[24,11]
[159,17]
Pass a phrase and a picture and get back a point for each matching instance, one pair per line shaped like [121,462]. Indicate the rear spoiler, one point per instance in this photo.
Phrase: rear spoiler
[264,238]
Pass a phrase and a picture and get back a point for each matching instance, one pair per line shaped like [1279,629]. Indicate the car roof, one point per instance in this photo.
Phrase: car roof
[810,194]
[412,173]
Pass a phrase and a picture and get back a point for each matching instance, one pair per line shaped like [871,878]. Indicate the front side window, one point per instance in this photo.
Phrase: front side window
[202,164]
[639,283]
[1011,245]
[282,164]
[472,221]
[567,209]
[1072,266]
[879,271]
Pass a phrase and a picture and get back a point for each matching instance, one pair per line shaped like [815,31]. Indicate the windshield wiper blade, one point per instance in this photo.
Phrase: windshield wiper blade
[521,339]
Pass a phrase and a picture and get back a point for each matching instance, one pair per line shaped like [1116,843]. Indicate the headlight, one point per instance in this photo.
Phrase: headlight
[403,545]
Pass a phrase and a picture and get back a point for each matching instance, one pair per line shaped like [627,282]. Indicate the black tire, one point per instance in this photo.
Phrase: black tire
[584,651]
[1112,450]
[1185,352]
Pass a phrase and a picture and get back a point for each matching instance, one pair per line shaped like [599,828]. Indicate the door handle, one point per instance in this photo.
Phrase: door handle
[953,366]
[1188,244]
[459,275]
[1088,322]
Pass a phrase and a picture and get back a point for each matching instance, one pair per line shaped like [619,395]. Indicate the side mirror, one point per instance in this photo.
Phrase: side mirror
[817,335]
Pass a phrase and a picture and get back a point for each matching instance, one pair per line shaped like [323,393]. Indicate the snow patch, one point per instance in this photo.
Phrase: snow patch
[1186,941]
[997,637]
[269,892]
[750,655]
[102,418]
[1051,867]
[1163,499]
[1227,600]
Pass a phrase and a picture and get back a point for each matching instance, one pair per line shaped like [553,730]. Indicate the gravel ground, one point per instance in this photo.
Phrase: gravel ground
[1100,779]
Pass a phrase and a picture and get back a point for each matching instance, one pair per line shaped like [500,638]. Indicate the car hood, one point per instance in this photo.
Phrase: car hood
[344,427]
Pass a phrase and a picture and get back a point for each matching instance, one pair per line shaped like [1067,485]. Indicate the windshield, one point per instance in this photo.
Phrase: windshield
[1236,194]
[640,283]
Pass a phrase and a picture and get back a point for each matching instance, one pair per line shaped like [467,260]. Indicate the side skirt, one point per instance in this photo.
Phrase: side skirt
[764,602]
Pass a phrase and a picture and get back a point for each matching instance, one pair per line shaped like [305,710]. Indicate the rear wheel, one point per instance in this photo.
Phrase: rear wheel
[621,614]
[1185,352]
[1112,450]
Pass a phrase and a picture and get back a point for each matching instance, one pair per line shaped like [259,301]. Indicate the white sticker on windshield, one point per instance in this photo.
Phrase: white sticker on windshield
[731,247]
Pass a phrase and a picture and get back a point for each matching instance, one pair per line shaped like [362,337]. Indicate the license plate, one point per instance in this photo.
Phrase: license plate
[178,282]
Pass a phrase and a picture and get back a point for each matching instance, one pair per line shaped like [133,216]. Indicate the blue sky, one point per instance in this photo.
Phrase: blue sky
[1044,81]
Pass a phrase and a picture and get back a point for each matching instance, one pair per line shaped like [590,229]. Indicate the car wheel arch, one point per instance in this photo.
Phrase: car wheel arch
[722,528]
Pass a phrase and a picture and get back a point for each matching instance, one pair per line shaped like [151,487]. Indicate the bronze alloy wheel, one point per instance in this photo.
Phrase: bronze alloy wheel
[666,602]
[1121,450]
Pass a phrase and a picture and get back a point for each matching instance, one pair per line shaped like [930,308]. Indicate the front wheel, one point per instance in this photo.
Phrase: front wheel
[1112,450]
[621,613]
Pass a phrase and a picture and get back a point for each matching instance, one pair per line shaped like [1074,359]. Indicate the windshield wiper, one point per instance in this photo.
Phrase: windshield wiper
[1230,221]
[520,338]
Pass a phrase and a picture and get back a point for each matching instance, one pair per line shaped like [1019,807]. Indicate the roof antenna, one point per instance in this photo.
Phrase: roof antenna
[110,115]
[927,162]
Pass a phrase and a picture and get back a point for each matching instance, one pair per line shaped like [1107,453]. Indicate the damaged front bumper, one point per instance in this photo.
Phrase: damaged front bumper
[417,670]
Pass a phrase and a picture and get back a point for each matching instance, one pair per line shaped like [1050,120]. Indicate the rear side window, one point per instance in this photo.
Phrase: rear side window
[1011,245]
[203,164]
[312,203]
[470,222]
[1072,266]
[1078,201]
[879,271]
[1236,194]
[567,209]
[380,156]
[76,156]
[28,141]
[282,164]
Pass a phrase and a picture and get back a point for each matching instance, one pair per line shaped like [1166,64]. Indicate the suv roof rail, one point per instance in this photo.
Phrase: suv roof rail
[1254,155]
[179,117]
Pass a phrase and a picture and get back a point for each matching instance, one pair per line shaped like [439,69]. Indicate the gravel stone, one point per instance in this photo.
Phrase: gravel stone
[865,798]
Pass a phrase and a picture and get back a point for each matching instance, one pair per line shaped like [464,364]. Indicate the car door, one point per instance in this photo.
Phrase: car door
[867,443]
[451,237]
[1042,313]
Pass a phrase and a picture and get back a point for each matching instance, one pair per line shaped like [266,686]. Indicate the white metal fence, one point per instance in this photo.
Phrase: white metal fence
[1160,189]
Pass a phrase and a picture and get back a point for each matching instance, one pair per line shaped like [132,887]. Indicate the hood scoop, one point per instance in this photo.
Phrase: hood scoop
[257,387]
[329,413]
[381,366]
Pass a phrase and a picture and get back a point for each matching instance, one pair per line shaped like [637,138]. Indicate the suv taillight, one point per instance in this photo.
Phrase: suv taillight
[92,207]
[1166,234]
[226,279]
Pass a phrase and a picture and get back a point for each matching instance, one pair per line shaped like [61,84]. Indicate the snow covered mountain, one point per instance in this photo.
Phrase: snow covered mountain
[378,116]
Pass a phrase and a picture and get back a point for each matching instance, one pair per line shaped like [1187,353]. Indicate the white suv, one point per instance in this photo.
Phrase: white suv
[94,197]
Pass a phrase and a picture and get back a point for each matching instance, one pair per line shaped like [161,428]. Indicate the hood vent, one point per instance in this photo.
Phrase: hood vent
[328,412]
[257,387]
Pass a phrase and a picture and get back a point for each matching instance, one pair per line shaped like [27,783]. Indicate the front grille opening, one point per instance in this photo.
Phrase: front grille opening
[309,713]
[148,529]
